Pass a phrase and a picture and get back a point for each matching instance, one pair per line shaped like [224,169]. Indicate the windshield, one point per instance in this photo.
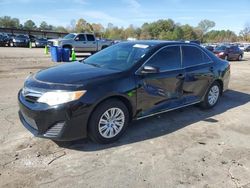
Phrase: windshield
[69,36]
[121,56]
[219,48]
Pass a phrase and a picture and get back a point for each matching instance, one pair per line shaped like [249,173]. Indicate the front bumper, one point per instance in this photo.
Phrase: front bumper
[40,44]
[21,44]
[62,123]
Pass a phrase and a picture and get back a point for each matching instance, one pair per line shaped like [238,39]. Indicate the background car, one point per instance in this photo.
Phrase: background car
[210,48]
[4,39]
[32,38]
[41,42]
[229,52]
[247,49]
[20,41]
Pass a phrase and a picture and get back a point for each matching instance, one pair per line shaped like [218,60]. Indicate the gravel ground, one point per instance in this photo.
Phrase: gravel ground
[183,148]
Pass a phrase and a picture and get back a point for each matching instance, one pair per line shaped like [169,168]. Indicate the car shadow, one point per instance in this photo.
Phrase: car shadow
[165,123]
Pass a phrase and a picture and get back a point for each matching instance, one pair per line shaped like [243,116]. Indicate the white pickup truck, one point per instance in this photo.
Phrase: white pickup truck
[81,42]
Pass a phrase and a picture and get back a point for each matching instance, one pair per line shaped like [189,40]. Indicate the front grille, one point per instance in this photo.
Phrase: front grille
[29,121]
[55,130]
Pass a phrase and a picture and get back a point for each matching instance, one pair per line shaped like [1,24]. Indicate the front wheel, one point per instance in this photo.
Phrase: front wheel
[108,121]
[212,96]
[11,44]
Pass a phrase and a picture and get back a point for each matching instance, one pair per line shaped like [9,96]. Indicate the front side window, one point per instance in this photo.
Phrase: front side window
[81,37]
[193,56]
[166,59]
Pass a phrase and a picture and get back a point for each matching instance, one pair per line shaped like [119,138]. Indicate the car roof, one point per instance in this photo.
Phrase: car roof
[159,42]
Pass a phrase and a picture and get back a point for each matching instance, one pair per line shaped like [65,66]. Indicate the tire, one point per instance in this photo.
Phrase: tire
[226,58]
[11,44]
[240,58]
[212,96]
[109,130]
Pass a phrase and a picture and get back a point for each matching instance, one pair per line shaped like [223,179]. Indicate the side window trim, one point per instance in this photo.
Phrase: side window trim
[182,65]
[162,48]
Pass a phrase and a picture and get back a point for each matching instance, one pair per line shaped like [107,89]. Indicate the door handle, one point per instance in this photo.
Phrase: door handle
[84,42]
[180,76]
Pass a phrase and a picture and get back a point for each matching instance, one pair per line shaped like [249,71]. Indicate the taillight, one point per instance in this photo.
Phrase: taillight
[221,53]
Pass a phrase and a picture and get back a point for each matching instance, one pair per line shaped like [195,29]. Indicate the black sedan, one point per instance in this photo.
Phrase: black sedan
[19,41]
[98,97]
[4,40]
[41,42]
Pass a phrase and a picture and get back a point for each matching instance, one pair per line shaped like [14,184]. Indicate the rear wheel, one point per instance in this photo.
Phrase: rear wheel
[212,96]
[108,121]
[240,58]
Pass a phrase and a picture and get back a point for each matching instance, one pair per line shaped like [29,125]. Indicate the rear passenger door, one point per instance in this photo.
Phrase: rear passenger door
[91,43]
[198,73]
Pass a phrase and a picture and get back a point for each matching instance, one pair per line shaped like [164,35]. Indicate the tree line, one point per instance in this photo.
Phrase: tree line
[164,29]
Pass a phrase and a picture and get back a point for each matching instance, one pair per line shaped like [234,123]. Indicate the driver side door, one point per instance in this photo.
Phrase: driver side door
[80,43]
[163,89]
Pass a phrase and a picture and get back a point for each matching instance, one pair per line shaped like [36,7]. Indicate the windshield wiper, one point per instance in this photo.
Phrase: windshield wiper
[93,64]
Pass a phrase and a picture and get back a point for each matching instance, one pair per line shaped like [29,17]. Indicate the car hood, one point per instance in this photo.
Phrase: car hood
[73,73]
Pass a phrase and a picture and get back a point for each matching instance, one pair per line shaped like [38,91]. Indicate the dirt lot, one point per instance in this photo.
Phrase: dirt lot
[183,148]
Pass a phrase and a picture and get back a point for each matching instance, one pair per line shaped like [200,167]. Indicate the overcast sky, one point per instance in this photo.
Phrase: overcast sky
[228,14]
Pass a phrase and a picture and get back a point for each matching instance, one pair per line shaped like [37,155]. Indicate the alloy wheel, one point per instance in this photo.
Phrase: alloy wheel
[213,95]
[111,122]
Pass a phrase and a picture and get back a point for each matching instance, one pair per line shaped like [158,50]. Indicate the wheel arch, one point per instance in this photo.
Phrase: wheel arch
[121,98]
[67,45]
[220,82]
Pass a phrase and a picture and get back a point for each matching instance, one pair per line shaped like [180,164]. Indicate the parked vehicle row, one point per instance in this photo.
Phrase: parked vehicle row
[227,51]
[21,40]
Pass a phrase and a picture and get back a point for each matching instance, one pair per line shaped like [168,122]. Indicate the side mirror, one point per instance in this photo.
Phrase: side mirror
[77,39]
[149,70]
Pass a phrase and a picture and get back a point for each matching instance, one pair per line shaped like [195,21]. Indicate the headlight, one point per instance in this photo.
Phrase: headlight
[60,97]
[221,53]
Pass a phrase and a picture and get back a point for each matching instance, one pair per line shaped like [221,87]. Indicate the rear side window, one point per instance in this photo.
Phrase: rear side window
[193,56]
[90,37]
[168,58]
